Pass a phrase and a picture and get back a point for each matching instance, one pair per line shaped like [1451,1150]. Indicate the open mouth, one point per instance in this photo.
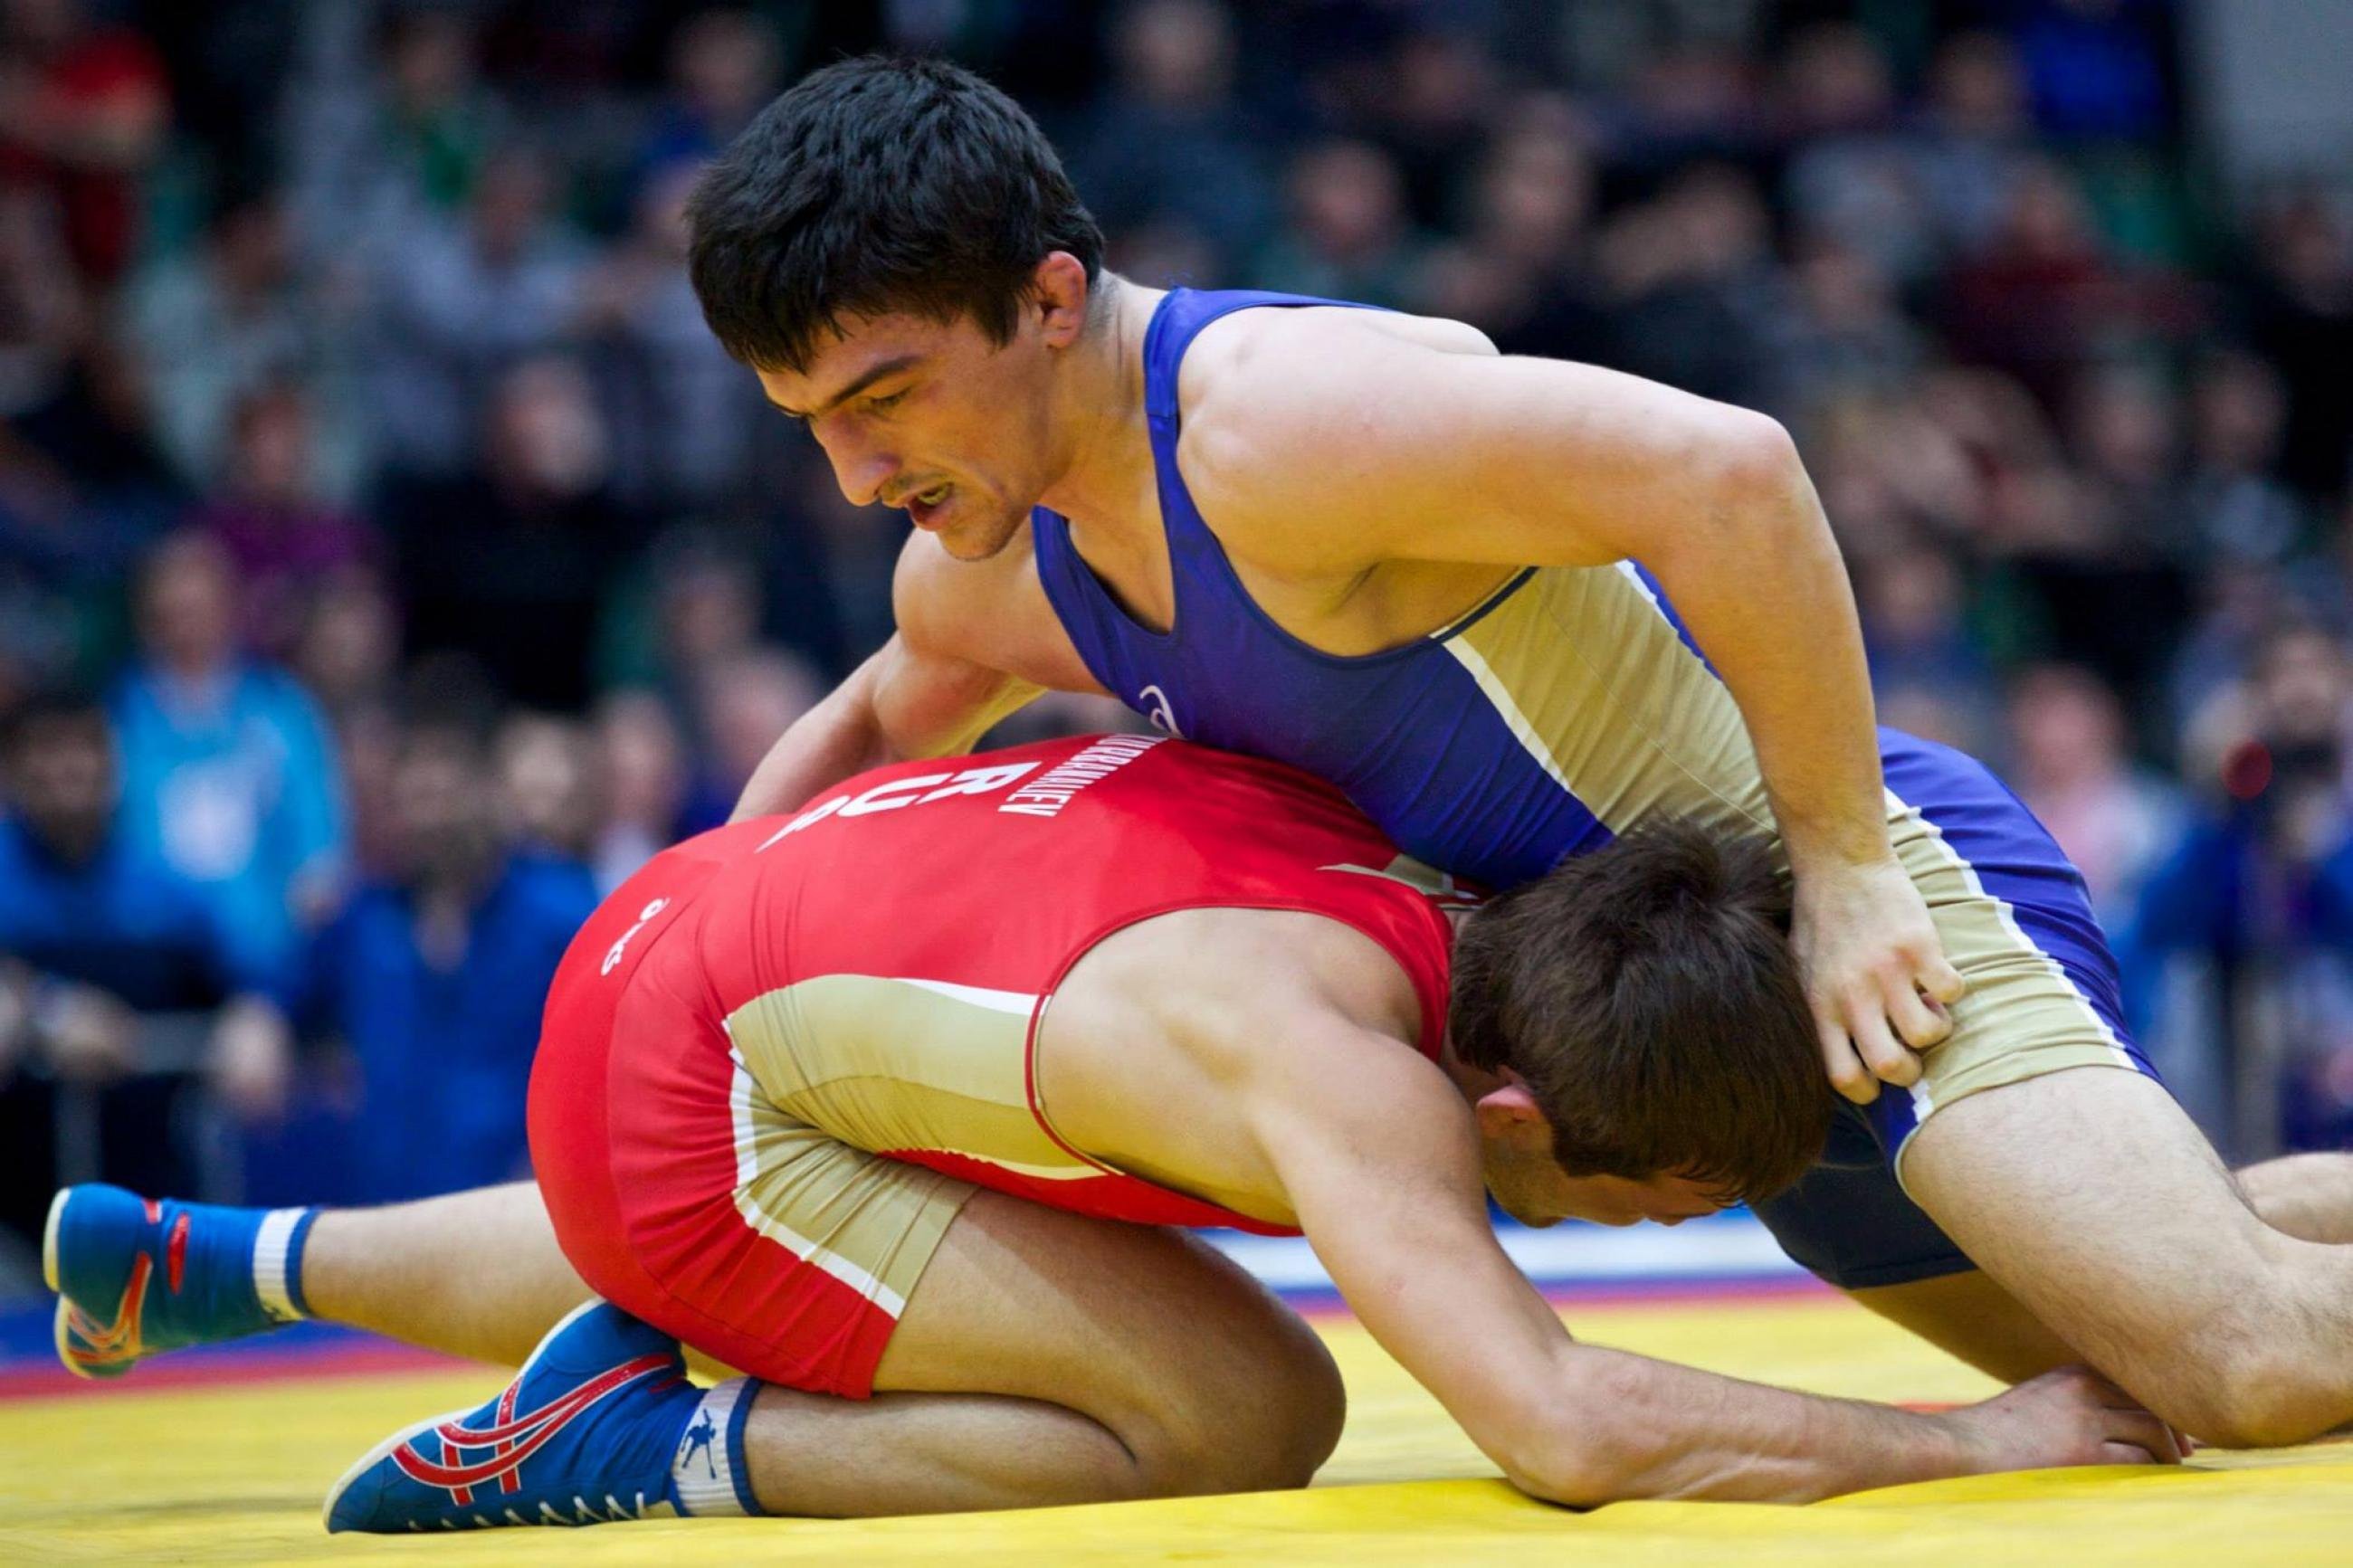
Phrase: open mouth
[924,505]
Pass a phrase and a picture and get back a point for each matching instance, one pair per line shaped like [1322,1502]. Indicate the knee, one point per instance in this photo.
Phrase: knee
[1269,1431]
[1304,1409]
[2248,1385]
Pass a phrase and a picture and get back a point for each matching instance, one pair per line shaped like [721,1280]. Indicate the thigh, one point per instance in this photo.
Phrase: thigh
[684,1197]
[2015,919]
[1144,1329]
[791,1255]
[2305,1196]
[2041,998]
[2091,1198]
[811,1264]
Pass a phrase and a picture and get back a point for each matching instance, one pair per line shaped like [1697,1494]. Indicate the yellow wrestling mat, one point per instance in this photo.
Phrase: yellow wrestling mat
[231,1473]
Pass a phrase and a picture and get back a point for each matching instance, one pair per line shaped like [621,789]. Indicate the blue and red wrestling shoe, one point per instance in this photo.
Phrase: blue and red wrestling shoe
[135,1276]
[599,1426]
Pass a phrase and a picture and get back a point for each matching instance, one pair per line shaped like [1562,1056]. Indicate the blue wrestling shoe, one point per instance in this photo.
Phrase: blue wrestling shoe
[135,1276]
[599,1426]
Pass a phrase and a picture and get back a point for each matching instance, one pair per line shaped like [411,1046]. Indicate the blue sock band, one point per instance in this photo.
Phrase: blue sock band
[735,1420]
[295,1245]
[708,1478]
[276,1268]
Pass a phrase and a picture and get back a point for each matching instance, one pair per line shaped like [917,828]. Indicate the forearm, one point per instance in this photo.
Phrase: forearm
[1764,591]
[1624,1427]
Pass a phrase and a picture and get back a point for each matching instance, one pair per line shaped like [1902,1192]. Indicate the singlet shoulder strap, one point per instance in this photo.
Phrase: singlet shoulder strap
[1180,320]
[1197,561]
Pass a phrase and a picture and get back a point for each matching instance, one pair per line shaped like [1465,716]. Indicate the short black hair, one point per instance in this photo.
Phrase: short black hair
[1648,994]
[880,185]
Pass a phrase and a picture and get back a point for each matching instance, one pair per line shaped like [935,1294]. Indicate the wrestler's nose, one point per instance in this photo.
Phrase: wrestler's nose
[861,470]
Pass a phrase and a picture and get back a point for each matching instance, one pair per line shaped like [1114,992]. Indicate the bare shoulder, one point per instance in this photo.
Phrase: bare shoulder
[1251,362]
[1249,342]
[1230,983]
[1272,400]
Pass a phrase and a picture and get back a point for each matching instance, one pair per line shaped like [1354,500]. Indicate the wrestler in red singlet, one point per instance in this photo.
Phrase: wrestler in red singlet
[775,1058]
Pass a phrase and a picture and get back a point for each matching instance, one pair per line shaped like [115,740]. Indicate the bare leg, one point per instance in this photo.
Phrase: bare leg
[473,1274]
[2306,1195]
[1047,1358]
[2100,1208]
[1971,1317]
[1044,1358]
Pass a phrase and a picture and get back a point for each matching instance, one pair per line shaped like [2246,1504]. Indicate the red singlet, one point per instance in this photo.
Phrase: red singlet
[873,971]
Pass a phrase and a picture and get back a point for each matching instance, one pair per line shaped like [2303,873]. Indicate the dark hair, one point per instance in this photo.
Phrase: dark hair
[879,184]
[1648,995]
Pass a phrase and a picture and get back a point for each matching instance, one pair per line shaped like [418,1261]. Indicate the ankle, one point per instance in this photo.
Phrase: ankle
[708,1470]
[278,1254]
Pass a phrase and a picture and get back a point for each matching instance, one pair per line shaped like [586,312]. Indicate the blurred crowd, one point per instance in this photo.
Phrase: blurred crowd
[390,561]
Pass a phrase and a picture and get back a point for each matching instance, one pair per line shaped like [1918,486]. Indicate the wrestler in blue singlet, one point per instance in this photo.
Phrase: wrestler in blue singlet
[1567,706]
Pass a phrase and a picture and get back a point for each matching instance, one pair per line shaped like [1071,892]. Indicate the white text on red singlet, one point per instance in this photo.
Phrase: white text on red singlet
[1052,790]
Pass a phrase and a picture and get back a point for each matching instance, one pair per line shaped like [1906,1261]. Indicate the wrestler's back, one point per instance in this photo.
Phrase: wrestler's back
[878,965]
[1135,1050]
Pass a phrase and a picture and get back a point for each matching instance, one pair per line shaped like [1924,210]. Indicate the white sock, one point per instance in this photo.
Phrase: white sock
[277,1262]
[707,1471]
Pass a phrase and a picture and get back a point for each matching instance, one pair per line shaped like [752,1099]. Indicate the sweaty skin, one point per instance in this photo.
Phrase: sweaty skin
[1360,517]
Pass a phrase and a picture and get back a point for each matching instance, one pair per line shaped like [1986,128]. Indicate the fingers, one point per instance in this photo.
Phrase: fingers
[1919,1022]
[2159,1447]
[1849,1076]
[2145,1434]
[1876,1033]
[2142,1437]
[1941,981]
[1882,1052]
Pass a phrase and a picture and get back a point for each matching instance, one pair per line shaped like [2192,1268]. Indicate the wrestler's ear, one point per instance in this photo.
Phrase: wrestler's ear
[1508,1109]
[1058,291]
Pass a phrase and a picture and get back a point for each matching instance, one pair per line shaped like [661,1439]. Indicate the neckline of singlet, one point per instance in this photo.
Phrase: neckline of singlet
[1165,420]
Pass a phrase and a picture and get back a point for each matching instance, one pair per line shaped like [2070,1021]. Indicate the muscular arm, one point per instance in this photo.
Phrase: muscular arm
[1427,455]
[1339,448]
[1380,1158]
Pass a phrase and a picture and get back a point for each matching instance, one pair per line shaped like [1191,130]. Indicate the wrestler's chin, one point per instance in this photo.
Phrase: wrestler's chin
[979,538]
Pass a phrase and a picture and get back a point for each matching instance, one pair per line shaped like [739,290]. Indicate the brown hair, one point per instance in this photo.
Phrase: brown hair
[1647,994]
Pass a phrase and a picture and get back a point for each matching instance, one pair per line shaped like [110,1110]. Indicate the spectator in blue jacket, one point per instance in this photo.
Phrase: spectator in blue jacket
[227,772]
[2260,887]
[435,977]
[117,976]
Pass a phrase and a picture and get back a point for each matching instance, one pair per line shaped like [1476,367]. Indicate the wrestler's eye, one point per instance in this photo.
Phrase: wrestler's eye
[885,405]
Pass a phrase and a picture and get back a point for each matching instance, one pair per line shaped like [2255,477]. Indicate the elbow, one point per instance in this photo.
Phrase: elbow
[1581,1470]
[1580,1454]
[1590,1441]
